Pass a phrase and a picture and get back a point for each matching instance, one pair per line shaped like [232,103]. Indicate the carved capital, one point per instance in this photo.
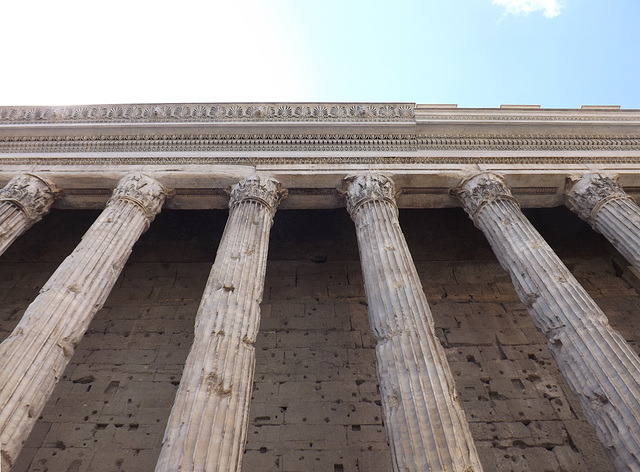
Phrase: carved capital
[588,194]
[480,190]
[262,188]
[32,194]
[144,191]
[363,188]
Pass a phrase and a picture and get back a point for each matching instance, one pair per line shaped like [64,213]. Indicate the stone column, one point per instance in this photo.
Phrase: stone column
[34,356]
[23,202]
[598,364]
[425,423]
[208,425]
[601,202]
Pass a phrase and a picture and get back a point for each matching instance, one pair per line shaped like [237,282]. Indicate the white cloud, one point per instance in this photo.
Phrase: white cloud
[550,8]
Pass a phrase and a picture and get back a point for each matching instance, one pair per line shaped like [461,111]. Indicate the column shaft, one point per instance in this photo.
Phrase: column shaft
[425,423]
[209,420]
[34,356]
[598,364]
[602,203]
[23,202]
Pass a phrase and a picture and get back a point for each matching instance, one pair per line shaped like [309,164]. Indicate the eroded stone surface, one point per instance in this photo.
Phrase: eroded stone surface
[601,202]
[208,423]
[41,345]
[23,202]
[316,310]
[425,423]
[598,364]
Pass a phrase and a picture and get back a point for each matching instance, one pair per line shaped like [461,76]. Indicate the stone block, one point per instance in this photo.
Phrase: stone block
[375,461]
[532,409]
[262,460]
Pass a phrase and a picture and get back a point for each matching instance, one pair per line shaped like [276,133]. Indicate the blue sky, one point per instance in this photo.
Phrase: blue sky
[475,53]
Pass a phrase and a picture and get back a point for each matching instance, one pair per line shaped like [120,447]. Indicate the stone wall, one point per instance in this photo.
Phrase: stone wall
[316,405]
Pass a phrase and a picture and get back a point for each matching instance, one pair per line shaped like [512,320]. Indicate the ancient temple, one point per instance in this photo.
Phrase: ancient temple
[319,287]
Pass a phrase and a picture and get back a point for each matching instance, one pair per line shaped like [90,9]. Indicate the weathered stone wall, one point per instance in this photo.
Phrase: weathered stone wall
[316,405]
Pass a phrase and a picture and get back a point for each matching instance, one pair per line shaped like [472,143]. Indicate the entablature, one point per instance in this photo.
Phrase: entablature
[202,149]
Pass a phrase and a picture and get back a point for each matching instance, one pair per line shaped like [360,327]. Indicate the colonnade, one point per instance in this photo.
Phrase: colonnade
[425,423]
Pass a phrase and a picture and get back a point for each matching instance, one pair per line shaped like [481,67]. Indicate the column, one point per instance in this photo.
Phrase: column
[601,202]
[599,366]
[34,356]
[23,202]
[425,423]
[208,425]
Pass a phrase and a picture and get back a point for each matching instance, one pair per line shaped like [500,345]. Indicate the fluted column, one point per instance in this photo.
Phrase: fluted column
[208,424]
[34,356]
[425,423]
[23,202]
[598,364]
[601,202]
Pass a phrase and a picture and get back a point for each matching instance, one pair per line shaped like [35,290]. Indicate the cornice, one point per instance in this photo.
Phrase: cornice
[424,114]
[313,112]
[228,112]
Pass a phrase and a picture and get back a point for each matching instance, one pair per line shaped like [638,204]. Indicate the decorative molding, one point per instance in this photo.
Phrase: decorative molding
[144,191]
[590,192]
[32,194]
[185,143]
[534,190]
[480,190]
[261,188]
[568,116]
[310,142]
[320,160]
[279,112]
[294,112]
[368,187]
[528,142]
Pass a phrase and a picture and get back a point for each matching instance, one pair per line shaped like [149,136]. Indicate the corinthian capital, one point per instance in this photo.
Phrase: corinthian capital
[480,190]
[142,190]
[590,192]
[262,188]
[32,194]
[362,188]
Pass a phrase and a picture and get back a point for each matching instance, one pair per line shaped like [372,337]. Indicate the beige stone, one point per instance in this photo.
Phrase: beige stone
[425,423]
[208,424]
[599,365]
[37,351]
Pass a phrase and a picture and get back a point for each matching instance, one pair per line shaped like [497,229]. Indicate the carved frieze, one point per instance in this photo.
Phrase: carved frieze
[264,189]
[590,192]
[211,112]
[366,187]
[32,194]
[142,190]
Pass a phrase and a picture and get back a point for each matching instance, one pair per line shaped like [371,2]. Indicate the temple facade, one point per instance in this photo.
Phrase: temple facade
[320,287]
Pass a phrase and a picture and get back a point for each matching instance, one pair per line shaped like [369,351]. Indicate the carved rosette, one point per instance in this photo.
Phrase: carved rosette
[590,193]
[144,191]
[32,194]
[480,190]
[263,189]
[362,188]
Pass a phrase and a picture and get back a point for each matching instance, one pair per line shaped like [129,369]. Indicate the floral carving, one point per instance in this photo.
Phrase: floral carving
[480,190]
[363,188]
[142,190]
[188,112]
[264,189]
[33,195]
[591,192]
[285,111]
